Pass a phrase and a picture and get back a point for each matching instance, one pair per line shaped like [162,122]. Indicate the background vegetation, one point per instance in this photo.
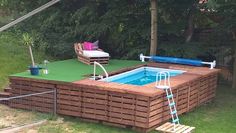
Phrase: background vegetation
[121,26]
[14,57]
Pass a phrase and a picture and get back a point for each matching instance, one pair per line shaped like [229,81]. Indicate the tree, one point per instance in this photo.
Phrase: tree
[122,26]
[226,10]
[28,41]
[153,47]
[234,65]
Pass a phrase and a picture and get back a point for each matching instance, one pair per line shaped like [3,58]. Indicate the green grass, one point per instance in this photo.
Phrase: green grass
[216,117]
[10,116]
[74,125]
[73,70]
[4,19]
[14,56]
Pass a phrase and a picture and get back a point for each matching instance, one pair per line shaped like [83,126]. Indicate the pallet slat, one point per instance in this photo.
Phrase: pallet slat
[169,128]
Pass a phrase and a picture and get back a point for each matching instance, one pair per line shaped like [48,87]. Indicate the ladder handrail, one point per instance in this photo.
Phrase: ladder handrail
[165,85]
[35,11]
[166,75]
[94,69]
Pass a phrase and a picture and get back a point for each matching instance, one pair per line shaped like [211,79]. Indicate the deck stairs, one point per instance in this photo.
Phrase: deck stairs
[7,89]
[5,94]
[163,82]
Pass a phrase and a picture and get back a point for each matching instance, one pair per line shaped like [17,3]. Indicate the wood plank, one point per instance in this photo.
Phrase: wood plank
[69,97]
[95,95]
[125,111]
[72,93]
[189,130]
[169,128]
[120,115]
[122,100]
[162,126]
[181,130]
[69,112]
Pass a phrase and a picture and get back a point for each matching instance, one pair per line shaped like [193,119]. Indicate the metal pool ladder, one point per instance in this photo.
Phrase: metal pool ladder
[94,70]
[163,82]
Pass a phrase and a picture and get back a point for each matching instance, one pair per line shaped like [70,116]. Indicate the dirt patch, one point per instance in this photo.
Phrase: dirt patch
[10,117]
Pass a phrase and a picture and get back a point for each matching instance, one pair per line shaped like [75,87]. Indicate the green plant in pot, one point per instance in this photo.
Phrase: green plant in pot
[28,41]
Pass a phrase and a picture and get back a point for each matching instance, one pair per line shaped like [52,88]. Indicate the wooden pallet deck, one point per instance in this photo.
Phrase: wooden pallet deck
[140,107]
[169,128]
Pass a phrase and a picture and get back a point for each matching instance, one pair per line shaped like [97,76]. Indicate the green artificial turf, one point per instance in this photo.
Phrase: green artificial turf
[73,70]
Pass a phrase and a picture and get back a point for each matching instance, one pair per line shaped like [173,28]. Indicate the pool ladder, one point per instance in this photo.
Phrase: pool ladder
[94,70]
[165,85]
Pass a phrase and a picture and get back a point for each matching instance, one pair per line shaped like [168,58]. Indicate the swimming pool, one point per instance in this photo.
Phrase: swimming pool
[140,76]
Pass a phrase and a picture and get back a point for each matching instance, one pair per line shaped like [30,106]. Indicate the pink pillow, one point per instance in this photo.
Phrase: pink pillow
[88,46]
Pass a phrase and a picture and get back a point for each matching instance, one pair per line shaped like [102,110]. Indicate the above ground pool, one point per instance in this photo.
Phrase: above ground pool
[140,76]
[123,104]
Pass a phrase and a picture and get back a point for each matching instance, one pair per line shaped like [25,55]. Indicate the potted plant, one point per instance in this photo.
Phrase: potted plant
[28,41]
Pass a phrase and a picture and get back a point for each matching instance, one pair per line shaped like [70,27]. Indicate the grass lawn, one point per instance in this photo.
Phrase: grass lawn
[14,117]
[4,19]
[14,57]
[216,117]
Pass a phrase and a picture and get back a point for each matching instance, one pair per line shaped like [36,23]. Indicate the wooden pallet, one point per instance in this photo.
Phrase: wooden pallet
[90,60]
[169,128]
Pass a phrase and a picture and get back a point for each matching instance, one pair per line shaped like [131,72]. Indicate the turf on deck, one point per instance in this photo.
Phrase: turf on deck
[73,70]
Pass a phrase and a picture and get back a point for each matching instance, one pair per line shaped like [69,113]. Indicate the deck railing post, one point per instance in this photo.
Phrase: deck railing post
[55,101]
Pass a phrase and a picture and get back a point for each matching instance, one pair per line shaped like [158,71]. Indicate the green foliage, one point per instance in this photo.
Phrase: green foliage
[184,50]
[226,11]
[121,26]
[27,39]
[14,56]
[223,13]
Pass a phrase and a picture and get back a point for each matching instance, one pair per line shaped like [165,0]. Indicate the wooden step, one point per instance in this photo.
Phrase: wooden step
[7,89]
[169,128]
[5,94]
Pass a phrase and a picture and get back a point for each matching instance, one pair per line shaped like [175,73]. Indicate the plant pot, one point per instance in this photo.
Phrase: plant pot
[34,70]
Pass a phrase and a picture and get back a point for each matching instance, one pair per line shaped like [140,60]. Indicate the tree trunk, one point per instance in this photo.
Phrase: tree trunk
[234,70]
[190,25]
[234,65]
[190,28]
[153,47]
[31,55]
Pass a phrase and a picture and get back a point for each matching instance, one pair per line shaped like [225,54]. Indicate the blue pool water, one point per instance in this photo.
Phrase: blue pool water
[140,76]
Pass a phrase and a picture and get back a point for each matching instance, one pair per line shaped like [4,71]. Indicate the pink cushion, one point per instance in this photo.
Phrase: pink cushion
[88,46]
